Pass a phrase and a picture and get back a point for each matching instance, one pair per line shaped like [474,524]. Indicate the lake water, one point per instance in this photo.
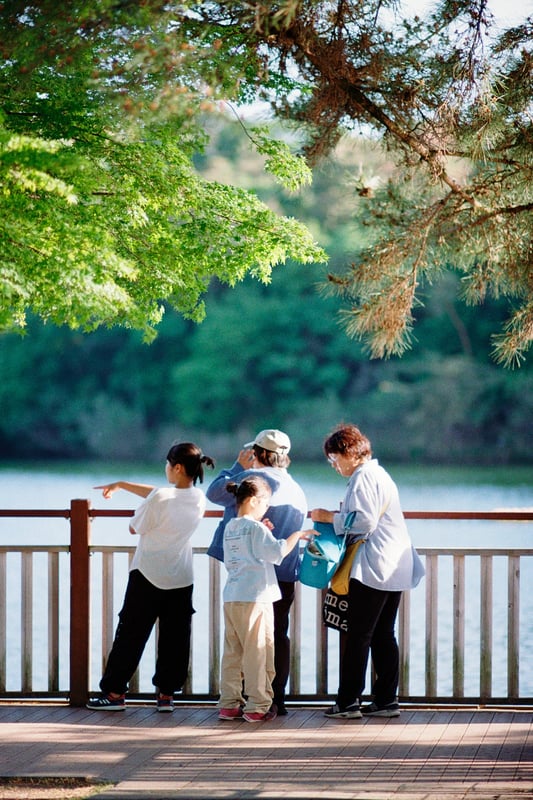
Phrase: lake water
[421,489]
[428,488]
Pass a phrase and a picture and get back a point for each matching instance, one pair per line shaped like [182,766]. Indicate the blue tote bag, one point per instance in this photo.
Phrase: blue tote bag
[322,556]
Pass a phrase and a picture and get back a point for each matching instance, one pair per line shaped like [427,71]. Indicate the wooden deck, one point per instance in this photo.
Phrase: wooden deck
[444,754]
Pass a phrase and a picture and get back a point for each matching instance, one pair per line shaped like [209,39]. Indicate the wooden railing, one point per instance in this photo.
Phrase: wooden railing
[71,602]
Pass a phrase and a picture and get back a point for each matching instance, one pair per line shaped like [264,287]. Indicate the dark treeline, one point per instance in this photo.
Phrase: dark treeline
[271,356]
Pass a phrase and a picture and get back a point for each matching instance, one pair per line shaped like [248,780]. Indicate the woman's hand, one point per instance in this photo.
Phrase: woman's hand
[321,515]
[246,458]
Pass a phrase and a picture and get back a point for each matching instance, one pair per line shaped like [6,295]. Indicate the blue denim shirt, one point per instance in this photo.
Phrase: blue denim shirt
[287,511]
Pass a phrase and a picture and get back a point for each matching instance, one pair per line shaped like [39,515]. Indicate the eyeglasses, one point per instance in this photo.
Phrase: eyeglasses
[332,458]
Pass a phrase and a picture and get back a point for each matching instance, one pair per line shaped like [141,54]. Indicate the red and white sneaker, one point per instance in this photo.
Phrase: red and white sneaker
[230,713]
[257,716]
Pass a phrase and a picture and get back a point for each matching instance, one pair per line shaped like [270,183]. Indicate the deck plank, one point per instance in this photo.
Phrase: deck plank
[426,754]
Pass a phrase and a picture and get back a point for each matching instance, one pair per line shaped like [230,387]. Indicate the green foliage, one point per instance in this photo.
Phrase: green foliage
[111,104]
[436,91]
[103,213]
[291,171]
[273,342]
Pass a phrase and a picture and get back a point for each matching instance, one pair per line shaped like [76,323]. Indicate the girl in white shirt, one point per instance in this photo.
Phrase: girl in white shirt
[160,581]
[250,552]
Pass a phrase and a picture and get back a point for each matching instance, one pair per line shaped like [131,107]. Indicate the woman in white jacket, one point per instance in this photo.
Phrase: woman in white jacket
[384,566]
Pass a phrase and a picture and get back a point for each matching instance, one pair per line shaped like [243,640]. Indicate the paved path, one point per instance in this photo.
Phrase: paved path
[442,754]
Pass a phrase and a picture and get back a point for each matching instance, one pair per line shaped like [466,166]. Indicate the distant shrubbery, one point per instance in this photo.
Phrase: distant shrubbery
[272,357]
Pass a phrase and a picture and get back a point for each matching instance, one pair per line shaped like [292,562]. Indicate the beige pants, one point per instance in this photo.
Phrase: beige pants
[248,655]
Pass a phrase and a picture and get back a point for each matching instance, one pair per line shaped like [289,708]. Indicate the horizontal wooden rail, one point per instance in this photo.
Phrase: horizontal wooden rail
[501,516]
[496,516]
[32,512]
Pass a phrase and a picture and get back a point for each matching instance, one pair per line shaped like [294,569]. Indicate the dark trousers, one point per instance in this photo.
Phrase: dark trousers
[144,604]
[371,620]
[282,645]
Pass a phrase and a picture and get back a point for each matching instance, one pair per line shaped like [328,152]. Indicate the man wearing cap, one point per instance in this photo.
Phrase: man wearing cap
[268,455]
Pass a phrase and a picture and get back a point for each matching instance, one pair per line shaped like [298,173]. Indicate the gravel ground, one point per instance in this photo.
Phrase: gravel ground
[48,788]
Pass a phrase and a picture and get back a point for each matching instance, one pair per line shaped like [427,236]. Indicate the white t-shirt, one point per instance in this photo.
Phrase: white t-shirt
[250,551]
[165,521]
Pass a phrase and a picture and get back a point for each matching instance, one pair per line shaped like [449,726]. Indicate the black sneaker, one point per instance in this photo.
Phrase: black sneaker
[280,707]
[350,712]
[389,710]
[107,703]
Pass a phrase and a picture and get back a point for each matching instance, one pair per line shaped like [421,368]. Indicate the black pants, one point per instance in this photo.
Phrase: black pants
[282,645]
[371,619]
[143,604]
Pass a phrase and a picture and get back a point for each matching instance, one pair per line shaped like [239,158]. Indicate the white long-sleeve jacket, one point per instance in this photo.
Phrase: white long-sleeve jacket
[387,560]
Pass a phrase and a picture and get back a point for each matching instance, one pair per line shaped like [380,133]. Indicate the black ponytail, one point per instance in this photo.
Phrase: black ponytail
[192,459]
[254,486]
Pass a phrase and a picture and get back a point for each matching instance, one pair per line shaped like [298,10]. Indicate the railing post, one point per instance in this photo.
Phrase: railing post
[214,627]
[53,622]
[295,628]
[404,637]
[3,622]
[513,627]
[485,624]
[80,539]
[432,600]
[458,626]
[321,647]
[27,623]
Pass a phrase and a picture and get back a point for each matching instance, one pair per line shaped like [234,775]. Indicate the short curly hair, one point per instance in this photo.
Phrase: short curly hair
[348,441]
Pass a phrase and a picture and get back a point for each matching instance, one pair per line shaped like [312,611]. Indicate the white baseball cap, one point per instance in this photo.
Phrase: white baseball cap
[273,440]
